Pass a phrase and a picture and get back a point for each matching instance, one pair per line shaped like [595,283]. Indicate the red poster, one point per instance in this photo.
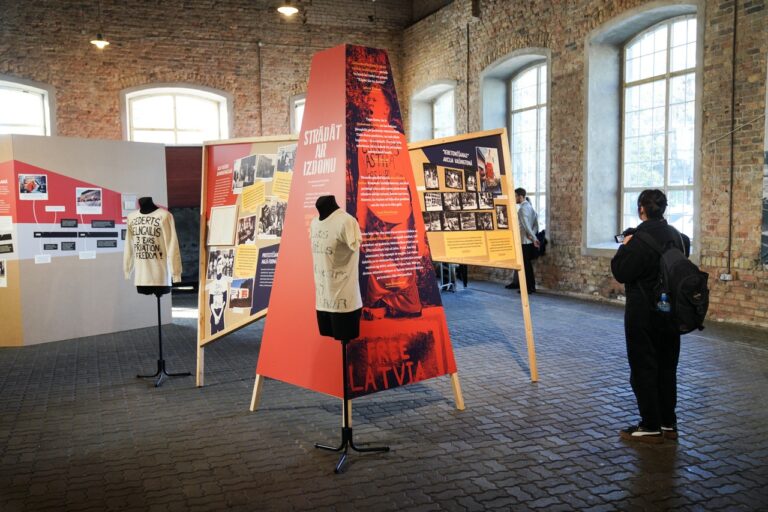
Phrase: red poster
[352,145]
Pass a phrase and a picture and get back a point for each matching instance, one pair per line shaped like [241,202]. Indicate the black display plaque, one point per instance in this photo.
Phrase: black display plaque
[50,247]
[98,224]
[106,243]
[69,223]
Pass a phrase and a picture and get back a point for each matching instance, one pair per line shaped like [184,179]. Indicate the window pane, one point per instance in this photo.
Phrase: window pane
[629,216]
[152,112]
[540,204]
[543,84]
[524,90]
[22,111]
[195,136]
[443,122]
[298,112]
[196,114]
[161,136]
[680,210]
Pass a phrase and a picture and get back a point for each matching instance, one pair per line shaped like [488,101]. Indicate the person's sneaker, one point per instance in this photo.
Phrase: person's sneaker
[642,434]
[669,432]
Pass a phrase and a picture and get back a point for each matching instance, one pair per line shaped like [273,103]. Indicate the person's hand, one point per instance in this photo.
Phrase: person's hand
[627,238]
[536,244]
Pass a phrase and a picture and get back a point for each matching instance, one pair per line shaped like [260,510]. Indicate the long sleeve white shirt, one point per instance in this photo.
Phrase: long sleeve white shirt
[151,247]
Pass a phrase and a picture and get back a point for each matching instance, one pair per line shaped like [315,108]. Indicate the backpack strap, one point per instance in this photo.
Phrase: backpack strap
[649,241]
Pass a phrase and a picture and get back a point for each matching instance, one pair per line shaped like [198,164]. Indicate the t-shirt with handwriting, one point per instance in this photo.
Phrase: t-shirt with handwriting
[335,255]
[150,247]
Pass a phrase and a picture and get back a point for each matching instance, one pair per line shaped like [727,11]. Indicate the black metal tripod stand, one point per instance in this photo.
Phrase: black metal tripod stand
[346,430]
[161,373]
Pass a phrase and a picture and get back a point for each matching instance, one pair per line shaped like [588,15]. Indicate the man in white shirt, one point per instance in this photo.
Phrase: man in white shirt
[529,226]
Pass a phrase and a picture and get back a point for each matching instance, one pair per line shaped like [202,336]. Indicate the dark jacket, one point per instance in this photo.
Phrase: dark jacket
[636,264]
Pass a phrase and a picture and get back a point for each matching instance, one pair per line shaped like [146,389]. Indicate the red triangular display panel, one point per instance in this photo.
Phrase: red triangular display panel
[352,145]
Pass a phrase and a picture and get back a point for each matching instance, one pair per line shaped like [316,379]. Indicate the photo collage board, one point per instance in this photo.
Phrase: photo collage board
[467,199]
[245,192]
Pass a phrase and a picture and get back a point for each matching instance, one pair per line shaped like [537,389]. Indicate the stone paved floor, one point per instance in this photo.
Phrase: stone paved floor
[78,431]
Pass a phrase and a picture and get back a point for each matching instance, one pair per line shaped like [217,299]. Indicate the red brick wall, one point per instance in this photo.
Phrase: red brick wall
[436,48]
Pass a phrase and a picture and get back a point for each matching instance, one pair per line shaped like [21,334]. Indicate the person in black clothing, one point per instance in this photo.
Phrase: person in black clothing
[653,343]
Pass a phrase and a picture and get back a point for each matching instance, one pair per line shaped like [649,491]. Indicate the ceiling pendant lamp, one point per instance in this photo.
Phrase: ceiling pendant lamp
[287,8]
[99,42]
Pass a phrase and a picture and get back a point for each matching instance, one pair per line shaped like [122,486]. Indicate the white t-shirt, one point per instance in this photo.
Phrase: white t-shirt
[150,246]
[335,255]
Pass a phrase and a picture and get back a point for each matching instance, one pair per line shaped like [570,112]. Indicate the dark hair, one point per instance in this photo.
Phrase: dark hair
[654,202]
[520,192]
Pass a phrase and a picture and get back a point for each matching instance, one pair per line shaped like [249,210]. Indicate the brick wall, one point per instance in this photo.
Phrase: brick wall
[436,48]
[210,43]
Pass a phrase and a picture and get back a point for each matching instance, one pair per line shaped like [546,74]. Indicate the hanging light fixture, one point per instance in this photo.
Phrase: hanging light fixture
[287,8]
[99,42]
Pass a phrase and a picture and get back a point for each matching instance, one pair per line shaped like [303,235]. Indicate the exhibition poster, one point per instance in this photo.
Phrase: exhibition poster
[467,199]
[245,185]
[352,145]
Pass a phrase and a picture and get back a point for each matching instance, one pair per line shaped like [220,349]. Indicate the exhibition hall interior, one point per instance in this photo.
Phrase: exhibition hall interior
[383,255]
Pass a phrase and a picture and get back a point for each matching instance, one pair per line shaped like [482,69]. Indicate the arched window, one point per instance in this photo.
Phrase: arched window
[433,111]
[659,114]
[176,115]
[298,103]
[528,135]
[25,107]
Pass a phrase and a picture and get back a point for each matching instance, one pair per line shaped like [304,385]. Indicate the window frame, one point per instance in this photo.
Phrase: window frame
[422,112]
[294,102]
[510,134]
[48,96]
[223,99]
[667,77]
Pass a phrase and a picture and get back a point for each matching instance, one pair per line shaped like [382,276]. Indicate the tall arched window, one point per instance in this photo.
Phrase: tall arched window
[528,135]
[659,114]
[24,108]
[176,115]
[433,111]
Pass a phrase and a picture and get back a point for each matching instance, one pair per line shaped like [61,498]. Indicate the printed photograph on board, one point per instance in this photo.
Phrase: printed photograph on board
[450,221]
[488,170]
[454,179]
[431,181]
[485,221]
[88,201]
[468,200]
[433,201]
[246,230]
[468,221]
[241,293]
[271,218]
[3,278]
[286,158]
[432,221]
[220,262]
[502,217]
[452,201]
[33,187]
[244,173]
[470,178]
[485,201]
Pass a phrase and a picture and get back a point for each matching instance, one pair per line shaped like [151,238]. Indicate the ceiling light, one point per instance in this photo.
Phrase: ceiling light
[99,42]
[288,9]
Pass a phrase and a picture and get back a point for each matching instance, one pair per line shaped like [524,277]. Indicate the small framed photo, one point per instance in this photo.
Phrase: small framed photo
[454,178]
[452,201]
[431,181]
[468,221]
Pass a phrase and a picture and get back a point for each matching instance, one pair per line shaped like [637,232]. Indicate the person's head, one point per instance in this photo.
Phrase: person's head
[519,195]
[651,204]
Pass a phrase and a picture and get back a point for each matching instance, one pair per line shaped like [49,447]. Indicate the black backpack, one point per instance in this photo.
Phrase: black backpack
[683,282]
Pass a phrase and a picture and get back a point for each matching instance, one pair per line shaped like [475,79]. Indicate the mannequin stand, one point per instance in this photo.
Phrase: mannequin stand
[346,431]
[161,373]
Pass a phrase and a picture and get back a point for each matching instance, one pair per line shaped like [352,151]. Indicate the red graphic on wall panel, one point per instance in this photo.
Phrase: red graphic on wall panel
[63,191]
[352,146]
[219,174]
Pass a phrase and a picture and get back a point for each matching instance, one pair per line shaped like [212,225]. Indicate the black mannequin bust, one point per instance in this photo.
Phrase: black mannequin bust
[326,205]
[146,206]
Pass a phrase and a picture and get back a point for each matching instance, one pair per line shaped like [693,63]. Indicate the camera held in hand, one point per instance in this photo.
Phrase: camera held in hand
[620,238]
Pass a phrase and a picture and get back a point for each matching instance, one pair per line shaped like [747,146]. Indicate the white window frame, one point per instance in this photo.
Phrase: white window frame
[422,114]
[603,99]
[496,105]
[47,95]
[299,100]
[535,195]
[667,77]
[223,99]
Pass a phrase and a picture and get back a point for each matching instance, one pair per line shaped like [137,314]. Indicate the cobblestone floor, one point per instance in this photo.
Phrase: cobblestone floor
[78,431]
